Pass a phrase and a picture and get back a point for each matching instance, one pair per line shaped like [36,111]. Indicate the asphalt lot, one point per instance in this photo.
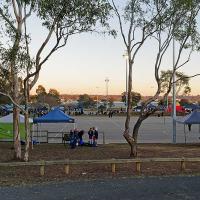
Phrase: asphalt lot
[153,130]
[149,188]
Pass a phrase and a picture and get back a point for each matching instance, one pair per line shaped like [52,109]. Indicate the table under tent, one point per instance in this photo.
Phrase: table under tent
[189,120]
[50,128]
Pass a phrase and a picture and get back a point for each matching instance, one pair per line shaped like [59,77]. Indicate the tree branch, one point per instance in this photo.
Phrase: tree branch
[7,20]
[120,23]
[7,95]
[15,9]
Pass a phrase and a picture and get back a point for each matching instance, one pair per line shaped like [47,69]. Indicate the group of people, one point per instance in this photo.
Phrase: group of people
[76,137]
[93,136]
[110,114]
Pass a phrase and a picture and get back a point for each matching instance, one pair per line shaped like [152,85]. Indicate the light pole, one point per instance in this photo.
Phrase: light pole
[106,80]
[126,95]
[174,95]
[97,100]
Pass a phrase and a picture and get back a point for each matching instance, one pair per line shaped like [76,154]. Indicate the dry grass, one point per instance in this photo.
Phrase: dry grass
[20,175]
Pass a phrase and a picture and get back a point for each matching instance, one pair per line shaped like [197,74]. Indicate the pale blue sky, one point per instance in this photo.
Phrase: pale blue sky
[84,63]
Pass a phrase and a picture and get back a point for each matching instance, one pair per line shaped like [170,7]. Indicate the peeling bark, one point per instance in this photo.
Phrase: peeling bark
[27,125]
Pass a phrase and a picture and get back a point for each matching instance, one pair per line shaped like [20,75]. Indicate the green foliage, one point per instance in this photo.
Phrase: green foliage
[110,102]
[182,83]
[74,16]
[40,90]
[184,18]
[86,101]
[4,79]
[54,92]
[184,102]
[52,98]
[136,97]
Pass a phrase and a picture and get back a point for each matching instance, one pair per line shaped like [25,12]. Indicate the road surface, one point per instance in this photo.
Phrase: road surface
[149,188]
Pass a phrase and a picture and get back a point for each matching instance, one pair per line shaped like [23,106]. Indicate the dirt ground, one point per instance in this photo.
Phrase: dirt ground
[24,175]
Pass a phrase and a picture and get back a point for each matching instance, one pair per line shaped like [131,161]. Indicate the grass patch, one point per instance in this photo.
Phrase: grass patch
[6,131]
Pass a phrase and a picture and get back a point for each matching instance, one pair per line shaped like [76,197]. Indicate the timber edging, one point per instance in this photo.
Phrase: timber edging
[112,162]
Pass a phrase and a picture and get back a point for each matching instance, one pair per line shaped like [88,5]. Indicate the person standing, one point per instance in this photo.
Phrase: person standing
[90,134]
[95,136]
[189,127]
[111,113]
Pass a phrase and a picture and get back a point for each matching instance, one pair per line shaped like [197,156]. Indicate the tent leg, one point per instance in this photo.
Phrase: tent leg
[185,134]
[32,137]
[37,131]
[199,128]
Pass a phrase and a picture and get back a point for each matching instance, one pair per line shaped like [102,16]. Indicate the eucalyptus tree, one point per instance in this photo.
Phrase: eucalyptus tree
[138,20]
[12,17]
[182,83]
[163,20]
[136,97]
[62,19]
[180,26]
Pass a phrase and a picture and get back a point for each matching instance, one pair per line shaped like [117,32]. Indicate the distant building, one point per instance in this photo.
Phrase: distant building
[118,104]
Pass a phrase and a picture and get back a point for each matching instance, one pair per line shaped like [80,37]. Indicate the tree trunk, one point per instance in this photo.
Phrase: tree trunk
[27,125]
[135,135]
[131,142]
[16,133]
[27,131]
[17,144]
[15,84]
[136,128]
[126,134]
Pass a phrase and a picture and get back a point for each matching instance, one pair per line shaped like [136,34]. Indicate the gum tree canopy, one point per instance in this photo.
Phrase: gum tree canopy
[62,19]
[162,21]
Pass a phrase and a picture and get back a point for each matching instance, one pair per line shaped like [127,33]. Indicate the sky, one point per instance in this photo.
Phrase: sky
[88,59]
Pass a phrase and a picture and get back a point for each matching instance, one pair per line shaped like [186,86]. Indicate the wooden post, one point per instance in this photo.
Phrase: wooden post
[183,164]
[67,169]
[138,167]
[42,168]
[113,166]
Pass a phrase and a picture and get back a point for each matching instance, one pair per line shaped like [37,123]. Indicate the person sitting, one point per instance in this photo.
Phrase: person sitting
[80,137]
[73,138]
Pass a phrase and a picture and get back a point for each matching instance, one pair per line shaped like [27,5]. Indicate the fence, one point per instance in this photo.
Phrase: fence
[46,136]
[112,162]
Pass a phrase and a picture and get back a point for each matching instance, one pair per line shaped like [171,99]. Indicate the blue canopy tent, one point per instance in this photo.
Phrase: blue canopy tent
[191,106]
[192,118]
[54,116]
